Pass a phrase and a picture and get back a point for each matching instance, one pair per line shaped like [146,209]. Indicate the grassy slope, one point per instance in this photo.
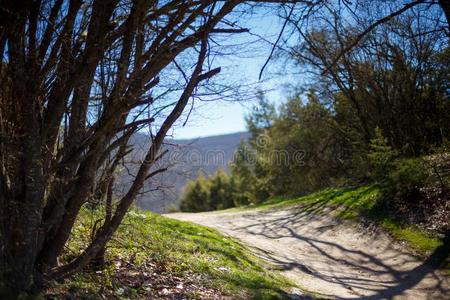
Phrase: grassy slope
[204,262]
[352,203]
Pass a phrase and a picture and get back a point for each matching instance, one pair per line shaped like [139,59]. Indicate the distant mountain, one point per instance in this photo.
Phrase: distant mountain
[186,159]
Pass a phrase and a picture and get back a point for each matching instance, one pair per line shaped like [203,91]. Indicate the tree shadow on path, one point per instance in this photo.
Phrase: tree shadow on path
[383,279]
[438,259]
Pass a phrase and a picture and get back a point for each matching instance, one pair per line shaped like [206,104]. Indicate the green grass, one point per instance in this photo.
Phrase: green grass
[353,203]
[183,250]
[353,200]
[418,239]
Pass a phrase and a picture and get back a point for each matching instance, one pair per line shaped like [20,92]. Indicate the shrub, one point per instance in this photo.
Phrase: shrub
[196,195]
[406,177]
[381,157]
[172,208]
[218,191]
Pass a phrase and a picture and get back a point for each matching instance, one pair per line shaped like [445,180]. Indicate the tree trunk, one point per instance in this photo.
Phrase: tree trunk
[23,190]
[71,84]
[98,262]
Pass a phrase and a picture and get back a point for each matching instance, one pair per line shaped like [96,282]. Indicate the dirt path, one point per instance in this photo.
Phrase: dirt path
[326,256]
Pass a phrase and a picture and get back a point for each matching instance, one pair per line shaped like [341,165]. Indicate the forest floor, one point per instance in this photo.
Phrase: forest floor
[332,256]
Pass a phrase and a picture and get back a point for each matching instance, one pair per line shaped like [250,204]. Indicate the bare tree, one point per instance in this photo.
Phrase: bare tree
[395,68]
[78,79]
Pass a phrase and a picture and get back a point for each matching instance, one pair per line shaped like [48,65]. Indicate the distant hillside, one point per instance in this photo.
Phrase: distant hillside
[185,159]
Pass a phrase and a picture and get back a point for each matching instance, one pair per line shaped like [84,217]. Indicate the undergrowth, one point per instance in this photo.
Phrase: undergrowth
[152,255]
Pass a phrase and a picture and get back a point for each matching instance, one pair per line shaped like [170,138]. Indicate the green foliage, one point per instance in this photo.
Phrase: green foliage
[204,194]
[196,195]
[221,190]
[242,174]
[261,116]
[172,208]
[303,147]
[381,156]
[406,177]
[303,150]
[147,243]
[297,150]
[402,177]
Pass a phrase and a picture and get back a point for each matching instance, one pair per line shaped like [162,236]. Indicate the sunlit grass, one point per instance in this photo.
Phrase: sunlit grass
[184,249]
[415,237]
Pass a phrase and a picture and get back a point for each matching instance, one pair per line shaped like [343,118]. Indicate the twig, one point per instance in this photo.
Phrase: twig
[368,30]
[276,42]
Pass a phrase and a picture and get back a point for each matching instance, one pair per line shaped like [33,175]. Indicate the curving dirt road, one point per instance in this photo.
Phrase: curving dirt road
[333,258]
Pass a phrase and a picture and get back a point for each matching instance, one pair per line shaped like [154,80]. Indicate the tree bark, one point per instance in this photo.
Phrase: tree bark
[52,148]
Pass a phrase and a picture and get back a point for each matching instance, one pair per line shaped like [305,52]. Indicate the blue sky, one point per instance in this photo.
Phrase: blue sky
[222,117]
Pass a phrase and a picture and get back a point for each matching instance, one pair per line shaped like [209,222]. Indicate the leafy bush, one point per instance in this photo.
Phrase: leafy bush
[215,192]
[172,208]
[406,177]
[381,156]
[292,150]
[196,195]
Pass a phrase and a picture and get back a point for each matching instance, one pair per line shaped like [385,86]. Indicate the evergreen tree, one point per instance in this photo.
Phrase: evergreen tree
[196,195]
